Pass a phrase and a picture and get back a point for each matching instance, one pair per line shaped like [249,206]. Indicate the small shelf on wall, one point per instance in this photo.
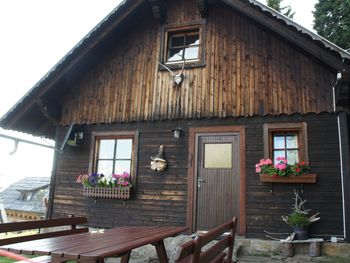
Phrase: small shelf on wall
[301,179]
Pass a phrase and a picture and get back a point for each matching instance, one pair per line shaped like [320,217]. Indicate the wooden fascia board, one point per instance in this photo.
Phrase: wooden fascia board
[71,64]
[282,30]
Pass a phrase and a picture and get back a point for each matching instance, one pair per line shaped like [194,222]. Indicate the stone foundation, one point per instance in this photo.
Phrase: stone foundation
[243,247]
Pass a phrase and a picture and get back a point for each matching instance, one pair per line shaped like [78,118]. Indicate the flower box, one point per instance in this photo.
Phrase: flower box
[292,179]
[104,192]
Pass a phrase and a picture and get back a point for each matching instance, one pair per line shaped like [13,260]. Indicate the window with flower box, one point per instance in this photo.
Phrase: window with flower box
[288,140]
[114,153]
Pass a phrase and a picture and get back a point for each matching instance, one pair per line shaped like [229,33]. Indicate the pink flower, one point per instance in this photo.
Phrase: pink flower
[281,159]
[116,176]
[268,161]
[258,170]
[125,175]
[79,179]
[281,166]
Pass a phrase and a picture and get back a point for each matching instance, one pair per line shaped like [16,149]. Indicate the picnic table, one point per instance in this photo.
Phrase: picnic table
[95,247]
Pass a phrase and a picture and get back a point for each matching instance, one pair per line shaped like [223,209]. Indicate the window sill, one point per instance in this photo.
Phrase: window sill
[301,179]
[179,66]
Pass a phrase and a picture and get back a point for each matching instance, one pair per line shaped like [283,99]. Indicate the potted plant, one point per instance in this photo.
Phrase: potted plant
[99,185]
[300,219]
[283,172]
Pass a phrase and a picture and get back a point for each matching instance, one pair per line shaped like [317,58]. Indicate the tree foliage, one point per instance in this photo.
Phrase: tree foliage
[332,21]
[286,10]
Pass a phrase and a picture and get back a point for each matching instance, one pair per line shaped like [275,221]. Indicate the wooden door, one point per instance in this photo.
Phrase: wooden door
[217,179]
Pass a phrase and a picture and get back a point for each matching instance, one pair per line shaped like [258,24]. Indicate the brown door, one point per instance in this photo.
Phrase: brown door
[217,179]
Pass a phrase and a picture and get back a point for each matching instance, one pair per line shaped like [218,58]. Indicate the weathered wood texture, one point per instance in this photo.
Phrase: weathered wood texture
[249,70]
[161,198]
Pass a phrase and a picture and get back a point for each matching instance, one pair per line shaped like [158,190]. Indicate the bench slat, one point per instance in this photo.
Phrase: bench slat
[191,251]
[11,240]
[28,225]
[42,259]
[211,253]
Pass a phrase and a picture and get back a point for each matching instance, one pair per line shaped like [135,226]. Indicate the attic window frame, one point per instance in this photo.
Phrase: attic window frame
[168,30]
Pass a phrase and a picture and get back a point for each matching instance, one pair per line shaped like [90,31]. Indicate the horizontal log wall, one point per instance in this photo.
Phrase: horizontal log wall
[161,198]
[249,70]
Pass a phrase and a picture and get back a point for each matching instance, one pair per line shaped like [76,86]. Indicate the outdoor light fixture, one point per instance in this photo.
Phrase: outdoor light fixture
[177,132]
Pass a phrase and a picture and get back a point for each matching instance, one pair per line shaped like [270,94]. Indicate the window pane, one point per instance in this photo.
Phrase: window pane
[218,155]
[192,40]
[124,149]
[175,54]
[292,141]
[176,41]
[106,150]
[122,166]
[278,142]
[105,167]
[191,53]
[292,156]
[277,154]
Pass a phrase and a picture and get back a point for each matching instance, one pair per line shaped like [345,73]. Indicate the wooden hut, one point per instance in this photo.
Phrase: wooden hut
[231,77]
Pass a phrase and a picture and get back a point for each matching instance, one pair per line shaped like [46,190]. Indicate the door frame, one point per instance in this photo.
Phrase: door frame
[192,170]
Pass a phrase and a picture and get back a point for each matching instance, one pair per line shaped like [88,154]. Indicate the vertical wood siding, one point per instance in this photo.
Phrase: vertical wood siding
[161,198]
[249,70]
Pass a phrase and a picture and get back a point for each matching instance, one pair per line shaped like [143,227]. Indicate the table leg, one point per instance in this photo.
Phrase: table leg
[161,252]
[125,258]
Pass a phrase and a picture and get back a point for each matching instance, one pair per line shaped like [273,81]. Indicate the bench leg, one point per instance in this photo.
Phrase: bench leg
[161,252]
[315,249]
[287,250]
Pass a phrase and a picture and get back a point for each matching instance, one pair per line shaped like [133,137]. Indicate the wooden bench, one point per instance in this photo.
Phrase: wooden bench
[191,251]
[314,247]
[70,222]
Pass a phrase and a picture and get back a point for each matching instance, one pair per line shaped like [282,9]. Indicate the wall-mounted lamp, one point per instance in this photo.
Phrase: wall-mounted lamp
[177,132]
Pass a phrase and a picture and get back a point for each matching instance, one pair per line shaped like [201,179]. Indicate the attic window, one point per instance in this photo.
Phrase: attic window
[183,47]
[184,44]
[26,196]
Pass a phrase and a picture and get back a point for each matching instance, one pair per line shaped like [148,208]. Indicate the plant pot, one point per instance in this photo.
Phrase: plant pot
[301,232]
[301,179]
[101,192]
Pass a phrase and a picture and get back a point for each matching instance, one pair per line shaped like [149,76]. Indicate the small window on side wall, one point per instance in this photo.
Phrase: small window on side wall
[183,44]
[288,140]
[114,153]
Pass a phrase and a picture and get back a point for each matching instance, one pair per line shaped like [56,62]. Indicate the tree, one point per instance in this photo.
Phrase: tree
[286,10]
[332,21]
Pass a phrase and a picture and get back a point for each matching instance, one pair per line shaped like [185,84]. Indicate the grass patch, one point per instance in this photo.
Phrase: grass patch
[10,260]
[337,259]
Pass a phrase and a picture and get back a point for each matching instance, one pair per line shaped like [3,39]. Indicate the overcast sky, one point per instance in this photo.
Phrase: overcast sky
[35,35]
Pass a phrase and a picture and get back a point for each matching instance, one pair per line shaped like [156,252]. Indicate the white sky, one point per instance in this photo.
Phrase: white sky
[35,35]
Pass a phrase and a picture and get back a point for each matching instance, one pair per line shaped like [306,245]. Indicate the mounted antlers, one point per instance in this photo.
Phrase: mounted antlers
[177,78]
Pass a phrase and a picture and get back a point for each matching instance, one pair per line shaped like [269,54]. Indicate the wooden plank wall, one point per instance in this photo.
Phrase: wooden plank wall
[248,71]
[161,198]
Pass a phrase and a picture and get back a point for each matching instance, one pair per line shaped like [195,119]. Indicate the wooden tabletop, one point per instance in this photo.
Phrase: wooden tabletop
[94,247]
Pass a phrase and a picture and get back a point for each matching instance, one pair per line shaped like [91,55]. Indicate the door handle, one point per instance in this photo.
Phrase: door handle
[200,180]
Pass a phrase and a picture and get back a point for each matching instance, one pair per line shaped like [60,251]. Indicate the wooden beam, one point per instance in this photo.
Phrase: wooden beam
[294,37]
[158,10]
[202,6]
[51,110]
